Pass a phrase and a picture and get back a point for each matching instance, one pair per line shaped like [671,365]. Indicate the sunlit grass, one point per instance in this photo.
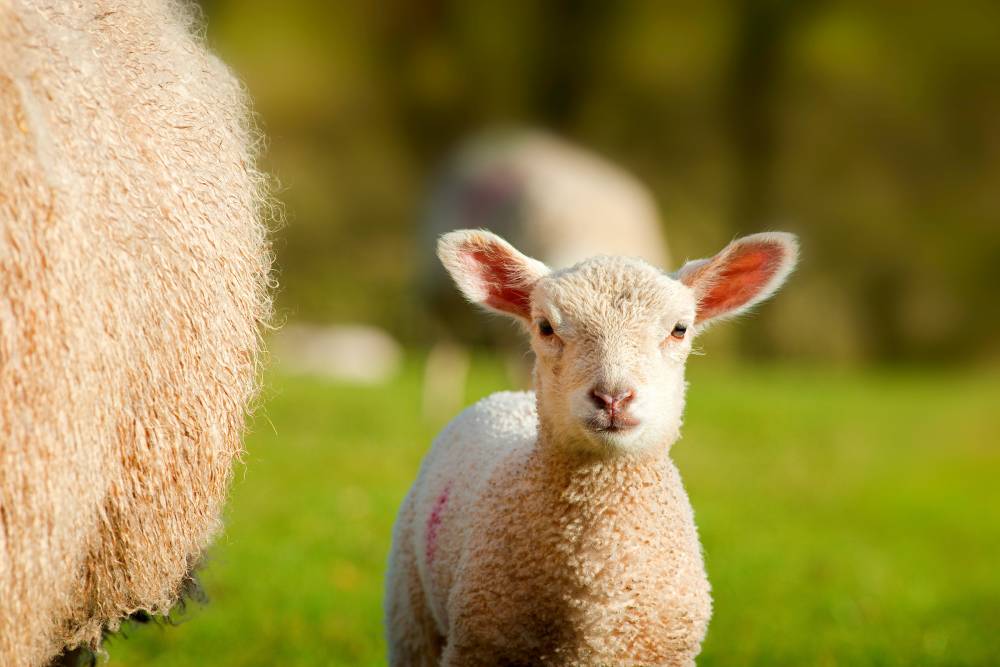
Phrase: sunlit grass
[848,519]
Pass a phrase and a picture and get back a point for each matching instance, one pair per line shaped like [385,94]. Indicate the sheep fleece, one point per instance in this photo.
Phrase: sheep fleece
[133,283]
[528,555]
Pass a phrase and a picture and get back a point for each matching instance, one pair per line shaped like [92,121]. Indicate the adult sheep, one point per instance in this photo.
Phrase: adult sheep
[556,201]
[133,282]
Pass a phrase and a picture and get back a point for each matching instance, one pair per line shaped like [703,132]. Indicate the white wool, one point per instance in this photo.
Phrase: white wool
[551,527]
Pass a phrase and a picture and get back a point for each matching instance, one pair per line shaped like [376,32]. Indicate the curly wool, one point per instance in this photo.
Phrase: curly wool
[540,555]
[134,276]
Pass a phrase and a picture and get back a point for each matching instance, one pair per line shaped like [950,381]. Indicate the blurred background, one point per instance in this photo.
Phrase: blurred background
[841,445]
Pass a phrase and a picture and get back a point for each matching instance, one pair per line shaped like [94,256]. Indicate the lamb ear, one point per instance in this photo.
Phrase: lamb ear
[490,272]
[746,272]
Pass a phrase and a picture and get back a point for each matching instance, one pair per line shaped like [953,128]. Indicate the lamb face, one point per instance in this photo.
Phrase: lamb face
[611,336]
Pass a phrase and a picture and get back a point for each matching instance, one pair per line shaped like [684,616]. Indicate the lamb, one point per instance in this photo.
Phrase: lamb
[134,280]
[551,527]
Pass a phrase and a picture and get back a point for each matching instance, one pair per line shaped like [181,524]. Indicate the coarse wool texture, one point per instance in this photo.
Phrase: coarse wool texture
[520,552]
[134,280]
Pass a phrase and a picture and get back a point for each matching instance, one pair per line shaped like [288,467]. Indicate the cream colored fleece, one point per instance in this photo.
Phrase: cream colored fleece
[133,283]
[524,553]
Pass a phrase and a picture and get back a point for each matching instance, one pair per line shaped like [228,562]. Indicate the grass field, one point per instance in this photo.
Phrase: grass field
[847,519]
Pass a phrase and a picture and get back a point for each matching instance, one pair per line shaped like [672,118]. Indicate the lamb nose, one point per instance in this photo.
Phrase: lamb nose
[605,400]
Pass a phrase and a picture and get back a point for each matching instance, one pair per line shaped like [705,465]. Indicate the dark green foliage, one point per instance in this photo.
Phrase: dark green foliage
[869,128]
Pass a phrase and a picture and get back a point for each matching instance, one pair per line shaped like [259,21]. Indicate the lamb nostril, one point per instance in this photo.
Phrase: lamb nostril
[606,401]
[624,398]
[602,400]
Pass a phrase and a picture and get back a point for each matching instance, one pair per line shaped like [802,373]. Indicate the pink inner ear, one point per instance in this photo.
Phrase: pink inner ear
[502,282]
[740,279]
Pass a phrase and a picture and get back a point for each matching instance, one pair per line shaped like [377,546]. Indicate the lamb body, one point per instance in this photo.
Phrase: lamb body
[536,556]
[551,527]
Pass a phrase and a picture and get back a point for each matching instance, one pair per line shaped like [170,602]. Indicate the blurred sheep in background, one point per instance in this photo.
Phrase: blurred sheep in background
[556,201]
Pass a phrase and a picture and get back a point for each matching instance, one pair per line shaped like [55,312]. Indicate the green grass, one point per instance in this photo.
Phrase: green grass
[847,519]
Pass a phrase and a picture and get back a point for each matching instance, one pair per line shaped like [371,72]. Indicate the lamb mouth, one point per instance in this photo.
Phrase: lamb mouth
[616,424]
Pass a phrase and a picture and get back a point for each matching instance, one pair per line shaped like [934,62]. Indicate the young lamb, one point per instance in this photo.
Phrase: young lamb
[551,527]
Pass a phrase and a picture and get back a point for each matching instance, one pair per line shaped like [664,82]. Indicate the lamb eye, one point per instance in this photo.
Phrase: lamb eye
[545,328]
[679,331]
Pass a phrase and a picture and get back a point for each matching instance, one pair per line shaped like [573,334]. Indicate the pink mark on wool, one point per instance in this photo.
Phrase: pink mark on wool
[434,522]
